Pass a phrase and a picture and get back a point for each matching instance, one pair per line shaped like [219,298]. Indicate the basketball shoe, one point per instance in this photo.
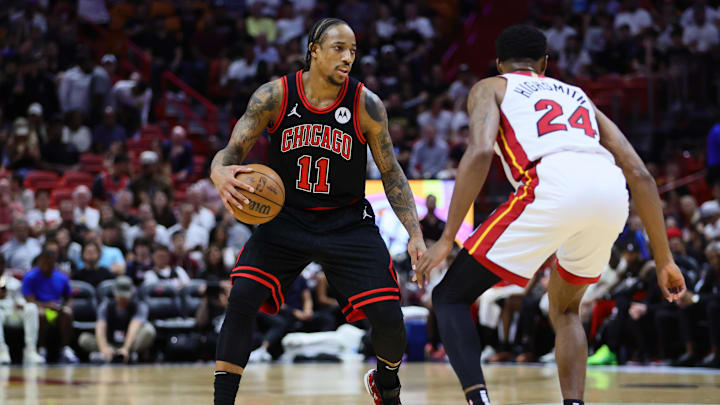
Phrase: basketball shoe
[380,396]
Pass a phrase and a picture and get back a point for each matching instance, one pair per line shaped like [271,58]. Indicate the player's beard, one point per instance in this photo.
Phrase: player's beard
[334,81]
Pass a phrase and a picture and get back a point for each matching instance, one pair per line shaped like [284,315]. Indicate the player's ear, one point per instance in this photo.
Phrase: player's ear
[498,64]
[544,64]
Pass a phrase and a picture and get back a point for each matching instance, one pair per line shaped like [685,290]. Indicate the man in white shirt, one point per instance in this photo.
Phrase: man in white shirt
[21,250]
[16,312]
[202,215]
[638,19]
[417,22]
[243,68]
[688,17]
[196,235]
[85,214]
[163,270]
[557,34]
[438,117]
[132,100]
[702,35]
[43,218]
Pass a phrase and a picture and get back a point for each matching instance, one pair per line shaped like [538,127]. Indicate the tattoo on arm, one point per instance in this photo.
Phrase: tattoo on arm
[394,181]
[263,103]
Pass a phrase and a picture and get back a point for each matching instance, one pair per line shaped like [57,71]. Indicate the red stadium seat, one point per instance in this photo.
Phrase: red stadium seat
[91,163]
[72,179]
[41,179]
[60,194]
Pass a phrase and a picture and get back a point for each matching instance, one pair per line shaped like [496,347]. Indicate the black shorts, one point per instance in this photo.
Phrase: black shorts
[344,241]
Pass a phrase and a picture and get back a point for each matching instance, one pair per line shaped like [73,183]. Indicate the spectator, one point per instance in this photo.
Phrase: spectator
[258,25]
[20,251]
[149,179]
[50,290]
[243,68]
[211,313]
[558,33]
[264,52]
[179,153]
[417,22]
[385,23]
[163,270]
[437,116]
[122,330]
[91,272]
[688,16]
[215,269]
[43,218]
[109,182]
[110,257]
[574,61]
[182,258]
[706,294]
[432,226]
[22,151]
[75,133]
[429,155]
[702,35]
[460,88]
[637,18]
[140,260]
[76,84]
[66,249]
[202,215]
[197,236]
[36,124]
[8,210]
[108,132]
[57,154]
[131,100]
[16,311]
[289,25]
[162,211]
[84,213]
[19,194]
[123,207]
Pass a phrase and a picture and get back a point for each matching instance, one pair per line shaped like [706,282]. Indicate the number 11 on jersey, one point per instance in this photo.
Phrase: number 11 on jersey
[321,184]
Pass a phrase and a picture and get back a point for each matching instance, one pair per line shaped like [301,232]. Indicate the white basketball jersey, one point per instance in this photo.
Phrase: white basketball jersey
[540,116]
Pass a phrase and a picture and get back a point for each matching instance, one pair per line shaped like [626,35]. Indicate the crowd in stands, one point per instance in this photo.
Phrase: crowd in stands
[114,243]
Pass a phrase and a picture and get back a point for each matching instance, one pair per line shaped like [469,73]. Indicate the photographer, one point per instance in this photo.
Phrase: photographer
[122,327]
[210,314]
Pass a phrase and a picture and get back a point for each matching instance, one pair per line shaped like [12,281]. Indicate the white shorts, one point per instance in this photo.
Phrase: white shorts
[574,204]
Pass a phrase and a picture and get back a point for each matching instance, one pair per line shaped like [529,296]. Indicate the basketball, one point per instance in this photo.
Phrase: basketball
[268,198]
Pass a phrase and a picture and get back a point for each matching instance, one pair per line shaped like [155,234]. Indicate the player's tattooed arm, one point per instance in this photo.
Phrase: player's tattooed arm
[262,108]
[374,124]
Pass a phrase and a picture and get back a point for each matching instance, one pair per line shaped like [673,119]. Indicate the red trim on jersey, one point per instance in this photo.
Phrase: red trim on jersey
[494,226]
[572,278]
[266,307]
[356,114]
[268,275]
[238,257]
[515,147]
[283,107]
[306,103]
[331,208]
[393,273]
[370,292]
[526,73]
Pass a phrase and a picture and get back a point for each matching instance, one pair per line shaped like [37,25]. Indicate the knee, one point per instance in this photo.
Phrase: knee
[385,316]
[246,296]
[30,310]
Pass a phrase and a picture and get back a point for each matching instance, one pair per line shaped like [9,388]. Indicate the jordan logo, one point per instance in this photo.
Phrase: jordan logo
[365,214]
[294,112]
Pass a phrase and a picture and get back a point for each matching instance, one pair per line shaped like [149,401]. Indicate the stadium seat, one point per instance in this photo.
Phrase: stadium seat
[59,195]
[192,296]
[72,179]
[165,306]
[104,290]
[91,163]
[84,305]
[39,179]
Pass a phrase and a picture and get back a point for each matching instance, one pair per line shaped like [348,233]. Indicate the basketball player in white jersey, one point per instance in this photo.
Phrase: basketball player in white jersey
[569,164]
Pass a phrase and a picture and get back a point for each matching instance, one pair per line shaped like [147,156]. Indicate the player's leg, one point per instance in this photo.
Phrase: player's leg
[465,280]
[570,341]
[266,267]
[389,340]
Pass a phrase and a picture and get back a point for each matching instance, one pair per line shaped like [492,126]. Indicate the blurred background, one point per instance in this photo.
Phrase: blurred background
[110,112]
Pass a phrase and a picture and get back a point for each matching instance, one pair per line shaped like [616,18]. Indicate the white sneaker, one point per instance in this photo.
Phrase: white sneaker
[548,358]
[4,354]
[97,357]
[260,355]
[31,356]
[68,355]
[487,352]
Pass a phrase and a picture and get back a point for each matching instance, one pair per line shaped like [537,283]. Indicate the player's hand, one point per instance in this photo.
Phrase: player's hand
[416,248]
[229,186]
[671,281]
[431,259]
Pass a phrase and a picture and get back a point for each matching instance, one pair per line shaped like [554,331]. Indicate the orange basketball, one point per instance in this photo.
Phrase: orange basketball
[268,198]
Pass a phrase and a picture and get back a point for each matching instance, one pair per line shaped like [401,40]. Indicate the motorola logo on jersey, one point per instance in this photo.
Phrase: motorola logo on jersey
[317,136]
[342,115]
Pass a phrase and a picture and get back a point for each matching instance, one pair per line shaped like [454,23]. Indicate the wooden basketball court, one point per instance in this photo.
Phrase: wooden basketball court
[326,384]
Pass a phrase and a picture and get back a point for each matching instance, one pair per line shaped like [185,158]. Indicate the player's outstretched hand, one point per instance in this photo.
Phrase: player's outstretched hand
[671,281]
[229,186]
[431,259]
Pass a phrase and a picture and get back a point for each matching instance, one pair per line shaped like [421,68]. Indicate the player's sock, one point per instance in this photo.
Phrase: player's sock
[573,402]
[478,396]
[387,376]
[226,387]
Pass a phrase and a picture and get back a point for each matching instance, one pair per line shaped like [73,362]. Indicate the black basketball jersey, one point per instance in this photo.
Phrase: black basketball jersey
[320,154]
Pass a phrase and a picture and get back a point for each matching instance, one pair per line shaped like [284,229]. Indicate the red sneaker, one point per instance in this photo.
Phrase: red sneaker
[386,397]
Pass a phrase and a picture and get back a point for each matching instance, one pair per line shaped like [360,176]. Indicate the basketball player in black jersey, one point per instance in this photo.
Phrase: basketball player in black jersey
[320,121]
